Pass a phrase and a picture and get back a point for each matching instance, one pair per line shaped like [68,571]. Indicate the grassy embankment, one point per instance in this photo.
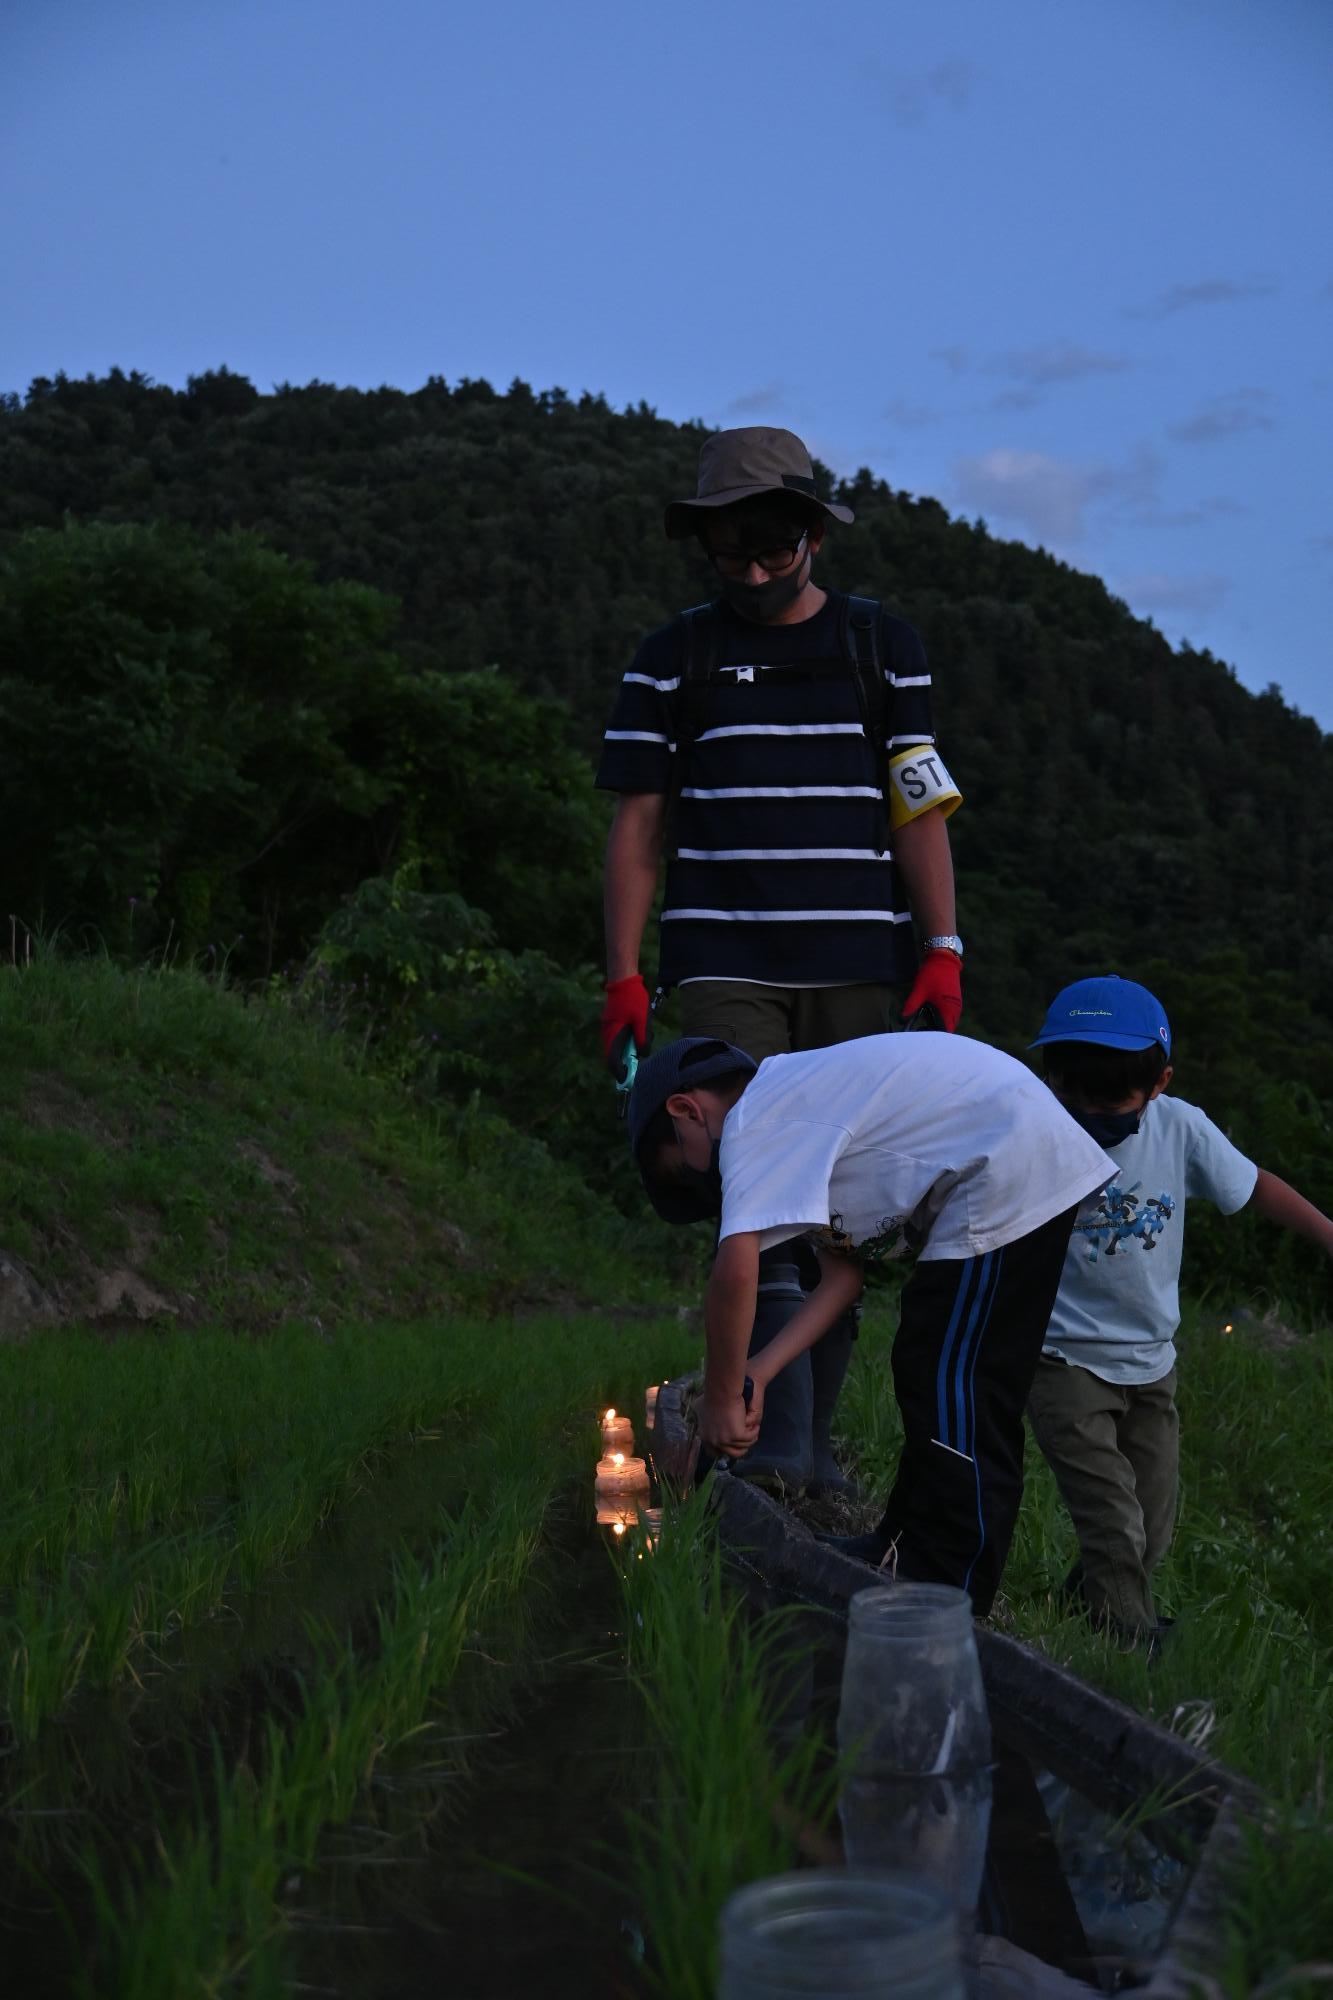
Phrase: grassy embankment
[291,1473]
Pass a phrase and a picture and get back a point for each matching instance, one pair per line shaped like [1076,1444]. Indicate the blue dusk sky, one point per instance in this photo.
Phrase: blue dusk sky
[1063,265]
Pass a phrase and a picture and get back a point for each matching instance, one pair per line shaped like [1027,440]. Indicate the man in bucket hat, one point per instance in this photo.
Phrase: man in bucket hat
[779,744]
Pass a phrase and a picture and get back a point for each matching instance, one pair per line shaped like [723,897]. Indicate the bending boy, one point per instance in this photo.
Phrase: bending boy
[890,1146]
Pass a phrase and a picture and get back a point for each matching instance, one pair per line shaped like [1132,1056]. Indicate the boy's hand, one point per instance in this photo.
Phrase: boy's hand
[724,1424]
[754,1410]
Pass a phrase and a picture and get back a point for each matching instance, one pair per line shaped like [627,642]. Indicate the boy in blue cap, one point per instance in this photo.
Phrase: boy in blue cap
[1103,1399]
[931,1146]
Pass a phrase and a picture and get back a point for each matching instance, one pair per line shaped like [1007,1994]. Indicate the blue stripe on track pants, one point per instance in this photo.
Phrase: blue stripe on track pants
[968,1339]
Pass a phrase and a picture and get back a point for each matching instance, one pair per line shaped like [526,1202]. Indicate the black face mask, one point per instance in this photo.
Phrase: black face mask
[704,1184]
[762,602]
[1108,1128]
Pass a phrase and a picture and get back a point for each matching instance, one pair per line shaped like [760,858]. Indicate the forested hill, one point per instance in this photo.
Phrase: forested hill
[195,732]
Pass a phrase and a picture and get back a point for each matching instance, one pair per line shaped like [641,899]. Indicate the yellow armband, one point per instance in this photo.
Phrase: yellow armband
[918,781]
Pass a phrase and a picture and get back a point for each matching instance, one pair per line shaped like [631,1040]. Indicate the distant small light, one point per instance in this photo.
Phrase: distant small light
[1227,1327]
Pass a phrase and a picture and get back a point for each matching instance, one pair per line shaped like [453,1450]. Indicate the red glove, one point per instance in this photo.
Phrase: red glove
[626,1006]
[939,984]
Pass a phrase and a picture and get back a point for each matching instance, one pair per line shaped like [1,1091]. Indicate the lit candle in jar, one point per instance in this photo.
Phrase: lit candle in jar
[650,1405]
[617,1432]
[620,1477]
[617,1515]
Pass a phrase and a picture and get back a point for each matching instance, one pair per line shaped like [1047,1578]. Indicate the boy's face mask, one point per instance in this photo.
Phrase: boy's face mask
[1108,1128]
[704,1183]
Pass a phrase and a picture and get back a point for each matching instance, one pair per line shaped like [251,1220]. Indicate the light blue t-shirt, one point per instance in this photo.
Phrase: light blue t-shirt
[1118,1306]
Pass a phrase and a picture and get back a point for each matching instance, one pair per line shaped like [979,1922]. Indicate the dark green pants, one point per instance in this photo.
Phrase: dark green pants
[781,1020]
[1114,1450]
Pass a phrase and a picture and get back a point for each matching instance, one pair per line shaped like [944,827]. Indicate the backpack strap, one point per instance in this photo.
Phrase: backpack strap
[858,633]
[700,652]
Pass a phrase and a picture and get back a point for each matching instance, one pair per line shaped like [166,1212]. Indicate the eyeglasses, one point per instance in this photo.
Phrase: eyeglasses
[776,559]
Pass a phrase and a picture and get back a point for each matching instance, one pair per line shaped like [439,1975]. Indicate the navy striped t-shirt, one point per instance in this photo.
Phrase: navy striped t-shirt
[777,873]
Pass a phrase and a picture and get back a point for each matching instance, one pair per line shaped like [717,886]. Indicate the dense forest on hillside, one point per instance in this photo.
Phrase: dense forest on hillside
[312,680]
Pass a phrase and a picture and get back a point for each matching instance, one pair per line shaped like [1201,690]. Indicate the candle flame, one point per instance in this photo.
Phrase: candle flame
[1227,1327]
[617,1527]
[617,1458]
[608,1416]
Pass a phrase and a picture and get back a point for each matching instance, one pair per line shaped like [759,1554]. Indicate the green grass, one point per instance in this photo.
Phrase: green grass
[725,1801]
[251,1168]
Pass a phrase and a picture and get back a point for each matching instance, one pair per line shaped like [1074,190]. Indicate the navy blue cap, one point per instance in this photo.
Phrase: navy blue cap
[681,1065]
[1114,1013]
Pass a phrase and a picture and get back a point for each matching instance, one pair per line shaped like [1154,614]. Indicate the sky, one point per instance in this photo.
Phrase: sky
[1064,265]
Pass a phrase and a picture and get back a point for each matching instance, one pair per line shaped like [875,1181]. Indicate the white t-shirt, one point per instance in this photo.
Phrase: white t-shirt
[1119,1300]
[899,1143]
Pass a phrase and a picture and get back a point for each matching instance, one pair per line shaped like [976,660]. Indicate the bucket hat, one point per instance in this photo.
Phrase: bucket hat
[1115,1013]
[740,465]
[681,1065]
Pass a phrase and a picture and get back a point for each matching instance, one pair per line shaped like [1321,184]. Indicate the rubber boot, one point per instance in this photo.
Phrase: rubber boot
[830,1358]
[780,1460]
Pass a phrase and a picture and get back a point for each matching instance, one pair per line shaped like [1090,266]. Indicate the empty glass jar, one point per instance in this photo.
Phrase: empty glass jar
[840,1934]
[914,1731]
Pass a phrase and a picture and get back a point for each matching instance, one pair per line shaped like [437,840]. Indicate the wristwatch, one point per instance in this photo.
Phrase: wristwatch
[951,943]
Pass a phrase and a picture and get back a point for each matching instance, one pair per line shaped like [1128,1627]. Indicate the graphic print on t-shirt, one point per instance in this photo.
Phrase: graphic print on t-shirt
[1120,1216]
[892,1236]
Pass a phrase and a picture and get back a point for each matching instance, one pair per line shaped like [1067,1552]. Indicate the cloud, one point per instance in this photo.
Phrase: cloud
[1215,508]
[1205,292]
[910,416]
[1049,496]
[956,359]
[912,97]
[1031,371]
[1057,361]
[752,402]
[1159,590]
[1226,416]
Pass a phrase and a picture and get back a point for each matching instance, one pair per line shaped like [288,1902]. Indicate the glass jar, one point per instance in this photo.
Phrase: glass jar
[914,1734]
[839,1934]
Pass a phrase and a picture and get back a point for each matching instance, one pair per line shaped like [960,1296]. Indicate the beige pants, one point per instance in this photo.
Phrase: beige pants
[1114,1449]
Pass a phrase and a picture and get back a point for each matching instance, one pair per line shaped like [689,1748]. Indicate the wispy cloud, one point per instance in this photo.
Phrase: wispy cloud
[1056,361]
[911,416]
[1032,371]
[912,96]
[1217,507]
[1048,496]
[1240,410]
[1205,292]
[1160,590]
[753,402]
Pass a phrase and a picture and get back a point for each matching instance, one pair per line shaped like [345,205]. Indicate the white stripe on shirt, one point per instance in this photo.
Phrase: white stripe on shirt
[783,792]
[789,916]
[909,680]
[782,729]
[780,854]
[647,681]
[638,736]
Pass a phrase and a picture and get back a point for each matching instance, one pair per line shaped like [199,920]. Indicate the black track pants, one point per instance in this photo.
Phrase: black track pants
[968,1340]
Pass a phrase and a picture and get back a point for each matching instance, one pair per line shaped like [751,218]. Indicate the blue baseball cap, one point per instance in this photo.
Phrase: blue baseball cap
[681,1065]
[1113,1012]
